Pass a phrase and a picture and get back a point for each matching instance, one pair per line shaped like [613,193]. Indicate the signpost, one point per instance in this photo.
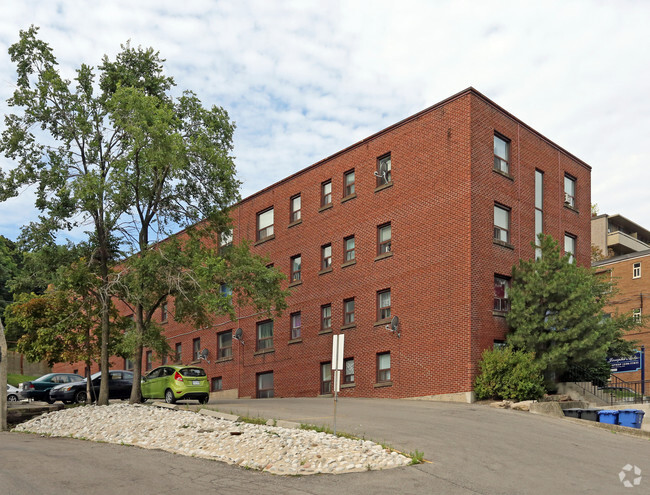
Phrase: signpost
[337,366]
[636,362]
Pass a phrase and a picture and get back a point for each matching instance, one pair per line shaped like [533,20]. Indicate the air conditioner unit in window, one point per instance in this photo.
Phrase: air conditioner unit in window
[568,199]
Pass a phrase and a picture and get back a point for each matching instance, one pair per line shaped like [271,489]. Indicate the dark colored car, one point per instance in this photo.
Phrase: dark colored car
[119,387]
[39,389]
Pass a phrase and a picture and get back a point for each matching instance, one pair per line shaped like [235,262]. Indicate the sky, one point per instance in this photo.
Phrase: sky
[305,79]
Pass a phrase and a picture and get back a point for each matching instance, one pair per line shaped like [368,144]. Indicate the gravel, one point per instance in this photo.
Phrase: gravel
[273,449]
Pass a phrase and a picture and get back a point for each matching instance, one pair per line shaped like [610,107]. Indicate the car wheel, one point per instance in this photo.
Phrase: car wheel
[12,398]
[50,401]
[80,397]
[169,397]
[204,399]
[142,399]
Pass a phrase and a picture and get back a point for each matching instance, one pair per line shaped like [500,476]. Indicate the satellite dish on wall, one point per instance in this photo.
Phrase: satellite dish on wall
[383,170]
[238,335]
[204,355]
[394,326]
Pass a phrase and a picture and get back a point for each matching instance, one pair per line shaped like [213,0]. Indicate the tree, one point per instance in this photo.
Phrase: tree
[122,155]
[9,265]
[509,374]
[557,313]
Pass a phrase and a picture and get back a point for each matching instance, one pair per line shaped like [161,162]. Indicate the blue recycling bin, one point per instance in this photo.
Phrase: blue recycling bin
[608,416]
[631,417]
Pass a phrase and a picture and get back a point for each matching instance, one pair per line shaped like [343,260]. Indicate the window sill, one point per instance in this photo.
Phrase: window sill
[348,198]
[501,314]
[325,332]
[293,224]
[327,270]
[196,361]
[224,360]
[381,323]
[295,341]
[325,396]
[383,256]
[349,326]
[349,263]
[263,351]
[383,384]
[348,385]
[295,284]
[384,186]
[572,208]
[503,174]
[164,322]
[266,239]
[503,244]
[326,207]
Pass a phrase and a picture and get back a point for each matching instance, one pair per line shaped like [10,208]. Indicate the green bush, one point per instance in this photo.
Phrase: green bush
[509,374]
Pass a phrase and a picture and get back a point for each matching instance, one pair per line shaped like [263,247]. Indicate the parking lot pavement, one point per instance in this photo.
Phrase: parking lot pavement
[472,449]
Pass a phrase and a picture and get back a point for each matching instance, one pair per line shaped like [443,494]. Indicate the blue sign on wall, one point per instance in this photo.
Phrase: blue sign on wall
[622,365]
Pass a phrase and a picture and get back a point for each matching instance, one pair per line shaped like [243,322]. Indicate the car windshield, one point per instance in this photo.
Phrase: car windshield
[192,372]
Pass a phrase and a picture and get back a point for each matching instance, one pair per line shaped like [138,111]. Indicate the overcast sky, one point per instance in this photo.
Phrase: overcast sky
[304,79]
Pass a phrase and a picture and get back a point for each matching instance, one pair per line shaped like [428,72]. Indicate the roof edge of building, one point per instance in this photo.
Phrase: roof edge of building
[622,257]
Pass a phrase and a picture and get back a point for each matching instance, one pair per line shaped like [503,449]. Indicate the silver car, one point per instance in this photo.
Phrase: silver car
[13,394]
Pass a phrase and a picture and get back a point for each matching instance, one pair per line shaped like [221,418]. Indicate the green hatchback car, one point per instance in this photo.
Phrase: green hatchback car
[174,383]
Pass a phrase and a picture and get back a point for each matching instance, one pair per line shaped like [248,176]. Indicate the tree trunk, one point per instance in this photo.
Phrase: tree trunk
[3,378]
[103,387]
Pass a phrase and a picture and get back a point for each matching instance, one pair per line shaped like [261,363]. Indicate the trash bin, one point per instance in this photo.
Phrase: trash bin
[630,417]
[573,413]
[589,414]
[608,416]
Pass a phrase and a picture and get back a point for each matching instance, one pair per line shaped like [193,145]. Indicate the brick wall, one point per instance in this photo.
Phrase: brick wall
[442,263]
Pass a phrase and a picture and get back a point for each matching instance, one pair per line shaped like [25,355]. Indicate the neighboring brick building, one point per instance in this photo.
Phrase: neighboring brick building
[432,240]
[631,272]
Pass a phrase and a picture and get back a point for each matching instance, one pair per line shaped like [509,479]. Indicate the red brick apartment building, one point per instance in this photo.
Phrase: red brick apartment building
[631,272]
[422,220]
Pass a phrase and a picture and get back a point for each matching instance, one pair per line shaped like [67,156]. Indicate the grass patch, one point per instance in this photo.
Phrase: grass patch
[417,457]
[254,421]
[15,378]
[328,430]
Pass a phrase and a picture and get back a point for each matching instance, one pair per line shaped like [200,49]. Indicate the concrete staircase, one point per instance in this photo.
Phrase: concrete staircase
[583,391]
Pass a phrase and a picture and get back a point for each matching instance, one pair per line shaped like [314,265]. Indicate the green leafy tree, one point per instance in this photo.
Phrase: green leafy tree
[9,266]
[509,374]
[116,151]
[557,313]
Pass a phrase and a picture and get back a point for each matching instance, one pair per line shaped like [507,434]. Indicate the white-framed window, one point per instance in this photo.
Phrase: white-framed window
[570,246]
[296,205]
[383,367]
[348,183]
[501,223]
[569,191]
[636,270]
[264,335]
[265,224]
[501,154]
[384,235]
[326,193]
[326,256]
[383,305]
[636,314]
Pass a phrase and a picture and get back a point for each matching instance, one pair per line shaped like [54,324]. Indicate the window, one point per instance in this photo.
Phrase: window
[501,223]
[326,378]
[383,238]
[226,238]
[148,358]
[163,312]
[164,359]
[296,326]
[326,318]
[348,183]
[326,193]
[569,191]
[225,290]
[499,344]
[501,287]
[539,210]
[348,311]
[295,209]
[383,173]
[383,367]
[296,262]
[636,270]
[265,385]
[636,315]
[217,384]
[348,249]
[383,304]
[326,256]
[128,364]
[196,348]
[348,370]
[178,353]
[224,345]
[501,154]
[265,224]
[265,335]
[570,246]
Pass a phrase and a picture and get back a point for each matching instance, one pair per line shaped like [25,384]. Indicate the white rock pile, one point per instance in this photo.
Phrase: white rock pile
[268,448]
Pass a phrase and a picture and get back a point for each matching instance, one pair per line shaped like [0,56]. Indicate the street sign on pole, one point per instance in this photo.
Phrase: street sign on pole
[337,366]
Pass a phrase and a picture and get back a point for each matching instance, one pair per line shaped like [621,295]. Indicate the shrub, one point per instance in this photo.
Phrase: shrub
[509,374]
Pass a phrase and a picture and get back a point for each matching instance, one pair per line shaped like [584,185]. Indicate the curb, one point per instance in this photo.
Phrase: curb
[219,415]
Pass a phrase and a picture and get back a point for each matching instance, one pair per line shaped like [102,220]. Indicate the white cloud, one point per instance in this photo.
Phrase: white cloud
[303,79]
